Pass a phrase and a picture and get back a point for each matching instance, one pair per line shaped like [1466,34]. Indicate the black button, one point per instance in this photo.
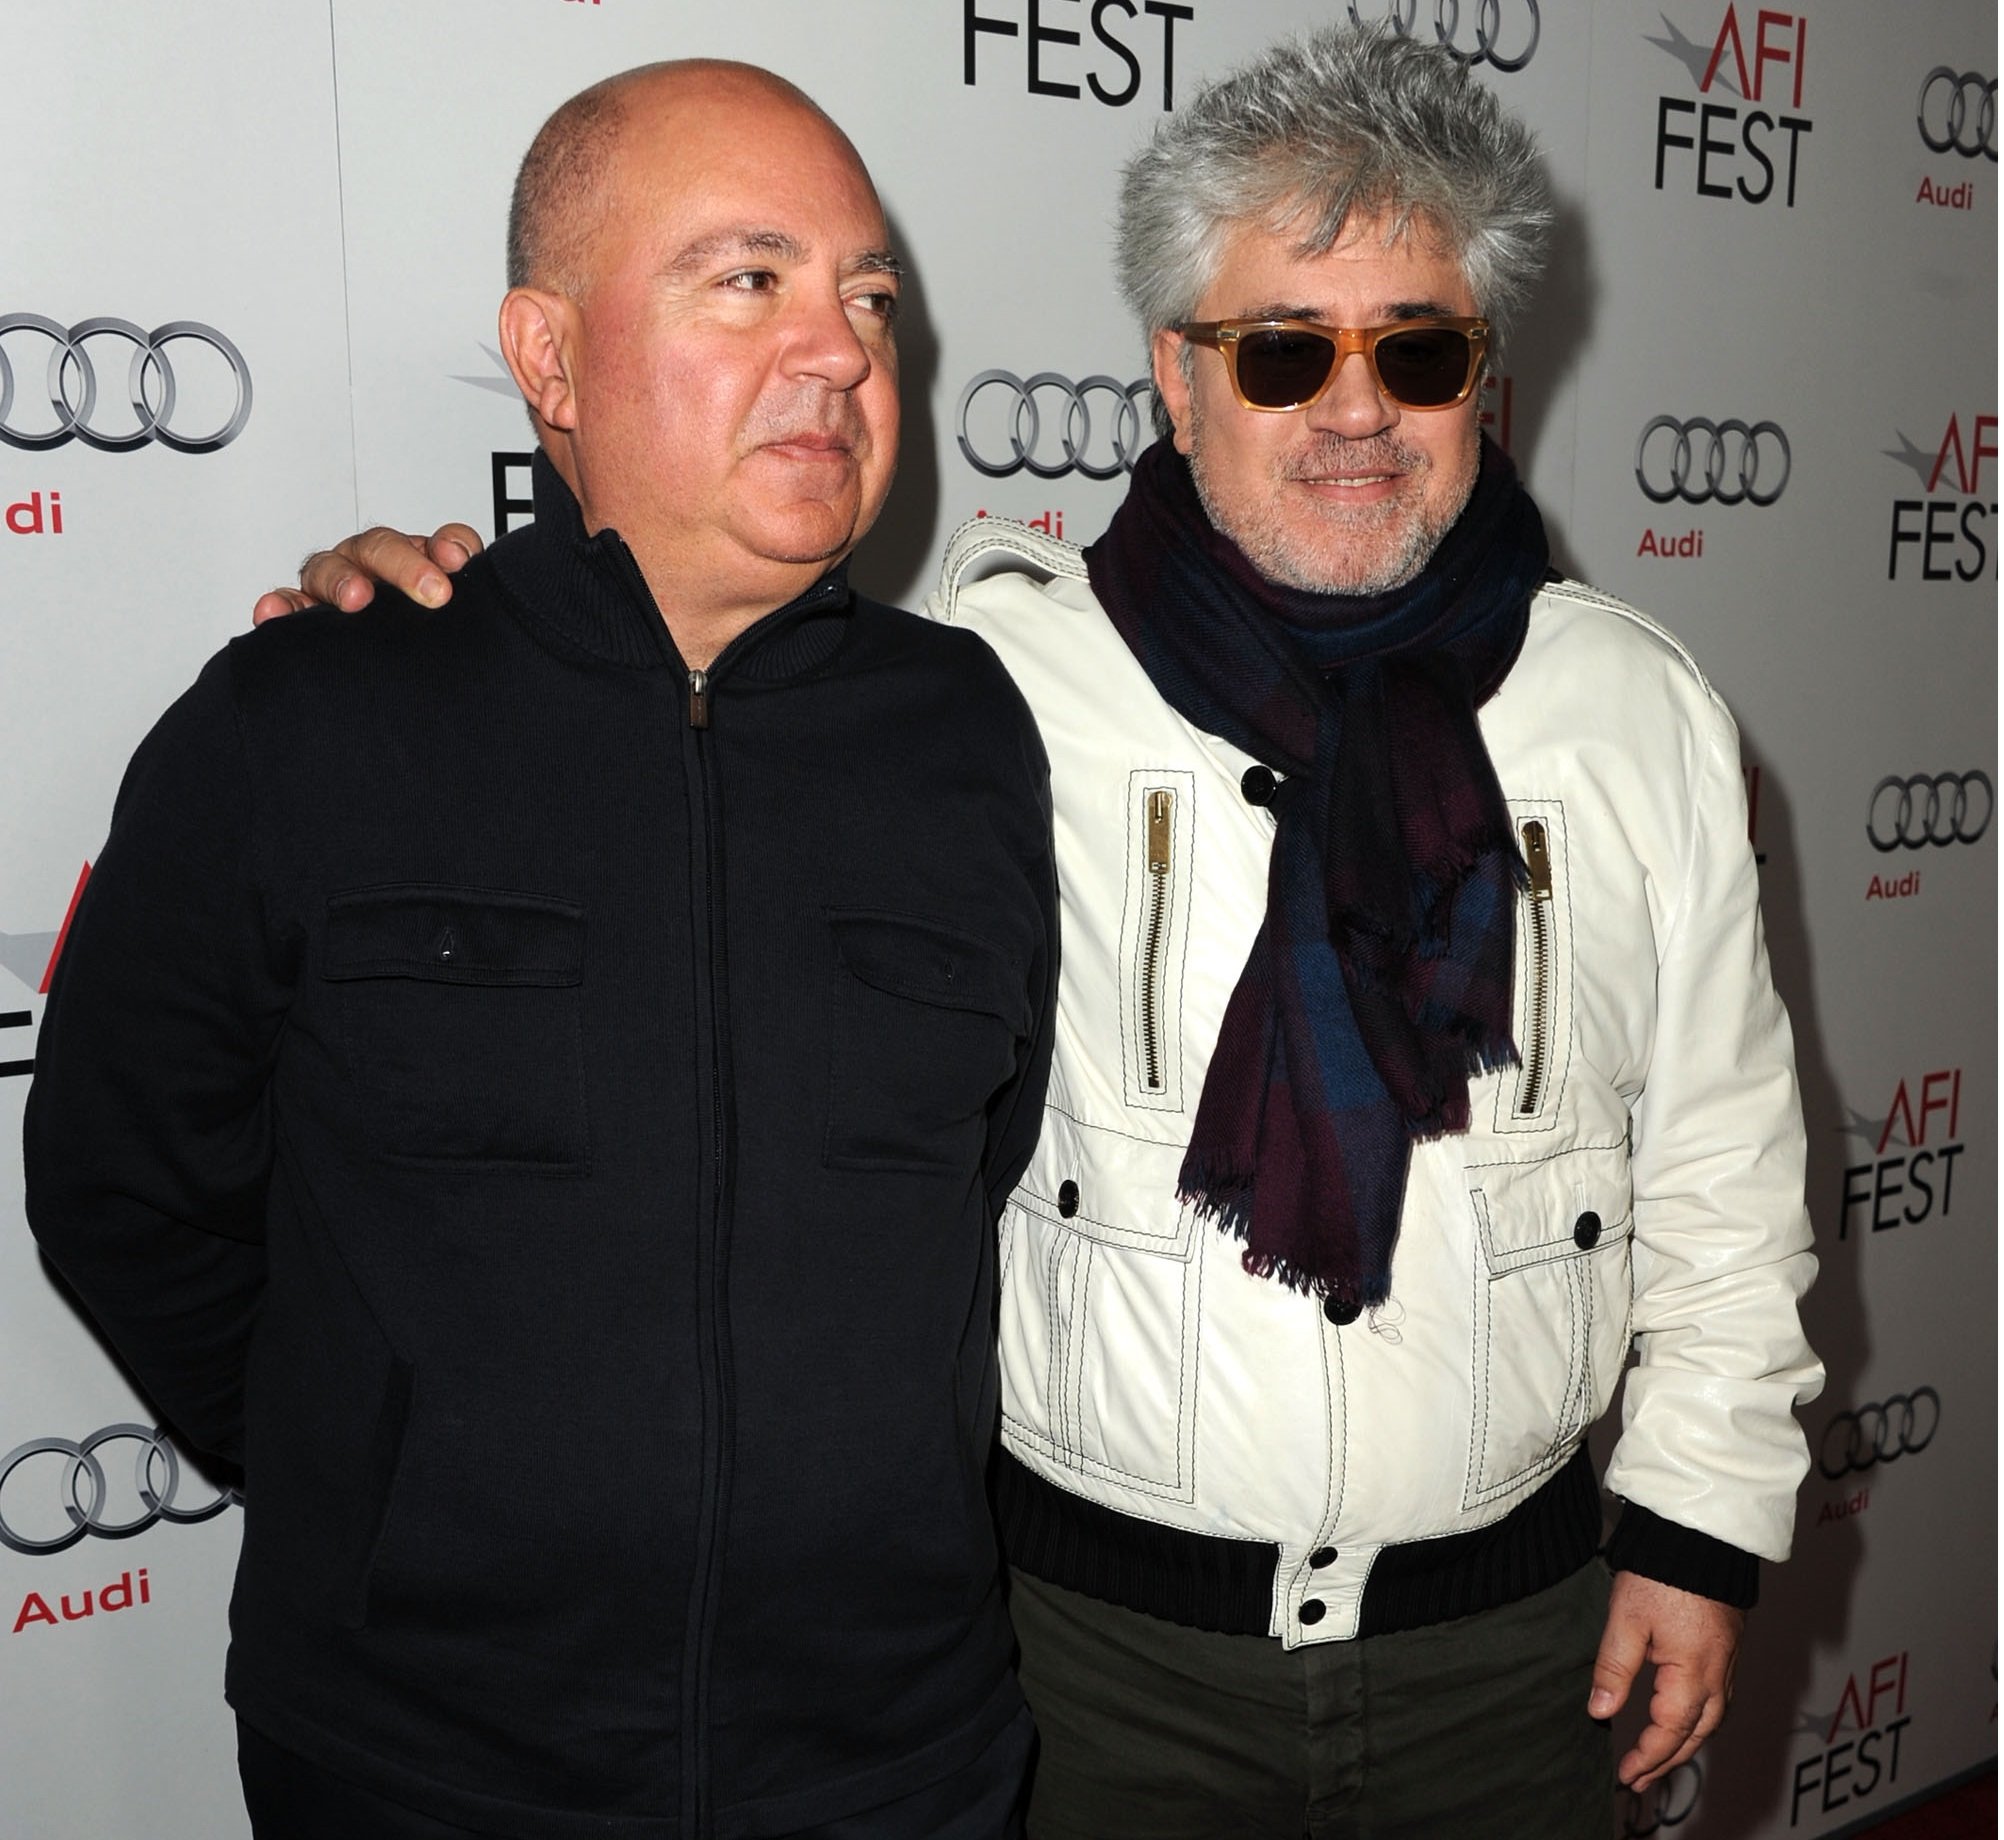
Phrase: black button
[1341,1311]
[1586,1230]
[1068,1198]
[1258,784]
[1321,1556]
[1313,1611]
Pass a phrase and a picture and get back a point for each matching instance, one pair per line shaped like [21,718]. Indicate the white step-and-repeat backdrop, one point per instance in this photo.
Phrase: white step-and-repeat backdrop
[1758,397]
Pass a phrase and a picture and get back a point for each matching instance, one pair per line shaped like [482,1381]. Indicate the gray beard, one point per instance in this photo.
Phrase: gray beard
[1274,551]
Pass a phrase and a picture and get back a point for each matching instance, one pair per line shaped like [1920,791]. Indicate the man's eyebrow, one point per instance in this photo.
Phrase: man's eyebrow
[742,240]
[1402,309]
[875,262]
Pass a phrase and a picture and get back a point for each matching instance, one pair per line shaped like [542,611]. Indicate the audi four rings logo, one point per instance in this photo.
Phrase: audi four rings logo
[84,412]
[1929,808]
[1486,20]
[1958,113]
[1667,1804]
[1903,1426]
[1727,463]
[1095,424]
[48,1507]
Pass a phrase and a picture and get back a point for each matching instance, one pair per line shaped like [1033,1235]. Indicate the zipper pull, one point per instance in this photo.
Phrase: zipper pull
[1538,859]
[1161,807]
[699,699]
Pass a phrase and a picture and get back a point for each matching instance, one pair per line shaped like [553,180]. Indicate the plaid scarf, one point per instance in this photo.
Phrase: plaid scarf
[1380,978]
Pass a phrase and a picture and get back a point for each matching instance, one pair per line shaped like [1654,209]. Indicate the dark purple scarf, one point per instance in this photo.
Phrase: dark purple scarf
[1380,978]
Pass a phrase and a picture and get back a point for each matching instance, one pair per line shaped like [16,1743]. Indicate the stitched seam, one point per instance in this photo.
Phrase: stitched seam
[1478,1330]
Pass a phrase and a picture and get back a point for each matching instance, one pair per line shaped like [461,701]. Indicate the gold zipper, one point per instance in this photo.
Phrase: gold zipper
[1538,1004]
[1155,934]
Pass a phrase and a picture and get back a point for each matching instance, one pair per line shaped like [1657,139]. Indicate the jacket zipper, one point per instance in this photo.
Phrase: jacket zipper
[1537,1046]
[1161,810]
[713,1263]
[713,1241]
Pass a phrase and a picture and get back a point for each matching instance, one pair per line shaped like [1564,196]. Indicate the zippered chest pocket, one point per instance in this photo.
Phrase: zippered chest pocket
[1542,999]
[1154,936]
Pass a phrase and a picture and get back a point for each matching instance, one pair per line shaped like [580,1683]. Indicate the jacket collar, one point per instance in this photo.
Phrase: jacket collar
[584,594]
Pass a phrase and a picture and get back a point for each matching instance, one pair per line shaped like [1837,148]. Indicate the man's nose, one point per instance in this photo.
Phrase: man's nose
[826,345]
[1353,406]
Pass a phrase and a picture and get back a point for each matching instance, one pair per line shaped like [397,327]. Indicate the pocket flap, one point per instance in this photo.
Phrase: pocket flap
[454,936]
[1555,1207]
[931,963]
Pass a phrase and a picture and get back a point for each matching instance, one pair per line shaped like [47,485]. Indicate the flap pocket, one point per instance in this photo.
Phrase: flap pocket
[1556,1207]
[930,963]
[454,936]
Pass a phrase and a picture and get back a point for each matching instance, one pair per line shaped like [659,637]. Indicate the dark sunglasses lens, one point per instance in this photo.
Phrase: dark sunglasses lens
[1423,368]
[1283,366]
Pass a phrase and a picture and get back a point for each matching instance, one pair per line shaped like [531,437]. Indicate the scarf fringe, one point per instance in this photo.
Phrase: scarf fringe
[1231,1212]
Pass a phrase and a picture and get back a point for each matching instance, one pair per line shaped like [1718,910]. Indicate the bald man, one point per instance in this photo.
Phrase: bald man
[535,1082]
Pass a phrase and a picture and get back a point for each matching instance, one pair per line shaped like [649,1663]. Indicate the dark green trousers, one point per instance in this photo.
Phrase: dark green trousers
[1469,1729]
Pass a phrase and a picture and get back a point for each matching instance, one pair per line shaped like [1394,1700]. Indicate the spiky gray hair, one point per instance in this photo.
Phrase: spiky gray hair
[1353,122]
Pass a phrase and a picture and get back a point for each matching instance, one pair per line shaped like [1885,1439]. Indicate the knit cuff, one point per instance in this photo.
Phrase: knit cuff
[1651,1547]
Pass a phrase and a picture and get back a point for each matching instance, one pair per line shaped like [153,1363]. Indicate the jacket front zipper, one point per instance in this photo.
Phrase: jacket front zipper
[1536,1047]
[1155,935]
[712,1273]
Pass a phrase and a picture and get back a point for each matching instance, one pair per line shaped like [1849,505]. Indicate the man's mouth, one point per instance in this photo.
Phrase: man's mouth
[811,444]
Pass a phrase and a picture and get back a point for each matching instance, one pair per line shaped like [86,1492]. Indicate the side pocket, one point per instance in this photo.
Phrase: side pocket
[1549,1313]
[375,1499]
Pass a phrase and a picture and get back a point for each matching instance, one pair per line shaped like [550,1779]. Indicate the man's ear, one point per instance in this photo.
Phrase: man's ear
[539,341]
[1165,356]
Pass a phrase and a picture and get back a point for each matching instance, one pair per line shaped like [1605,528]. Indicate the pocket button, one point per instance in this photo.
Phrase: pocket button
[1068,1198]
[1341,1311]
[1586,1231]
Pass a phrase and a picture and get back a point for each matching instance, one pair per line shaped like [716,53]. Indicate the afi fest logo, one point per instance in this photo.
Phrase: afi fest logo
[1742,137]
[1957,118]
[1910,1179]
[1132,50]
[1947,531]
[1872,1709]
[30,958]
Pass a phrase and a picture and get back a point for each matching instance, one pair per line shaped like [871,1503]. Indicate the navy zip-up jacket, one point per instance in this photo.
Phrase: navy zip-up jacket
[544,1112]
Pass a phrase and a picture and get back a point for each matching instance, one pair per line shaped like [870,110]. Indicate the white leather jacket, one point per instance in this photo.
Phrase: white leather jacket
[1639,1177]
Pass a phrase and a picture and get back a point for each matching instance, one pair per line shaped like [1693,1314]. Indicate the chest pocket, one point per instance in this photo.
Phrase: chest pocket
[461,1023]
[925,1025]
[1528,1100]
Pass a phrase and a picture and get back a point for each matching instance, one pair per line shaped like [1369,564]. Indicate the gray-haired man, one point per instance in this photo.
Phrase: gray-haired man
[1411,936]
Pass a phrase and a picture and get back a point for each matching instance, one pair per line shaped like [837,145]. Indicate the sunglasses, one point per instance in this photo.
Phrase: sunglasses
[1289,363]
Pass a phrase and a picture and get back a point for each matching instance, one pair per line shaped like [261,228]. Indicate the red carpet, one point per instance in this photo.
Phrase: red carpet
[1967,1813]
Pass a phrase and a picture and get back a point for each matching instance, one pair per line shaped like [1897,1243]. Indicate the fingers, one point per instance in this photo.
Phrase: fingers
[1683,1713]
[452,546]
[1623,1644]
[331,580]
[278,603]
[346,576]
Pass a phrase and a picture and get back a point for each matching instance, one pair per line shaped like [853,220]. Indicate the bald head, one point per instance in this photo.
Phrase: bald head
[568,178]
